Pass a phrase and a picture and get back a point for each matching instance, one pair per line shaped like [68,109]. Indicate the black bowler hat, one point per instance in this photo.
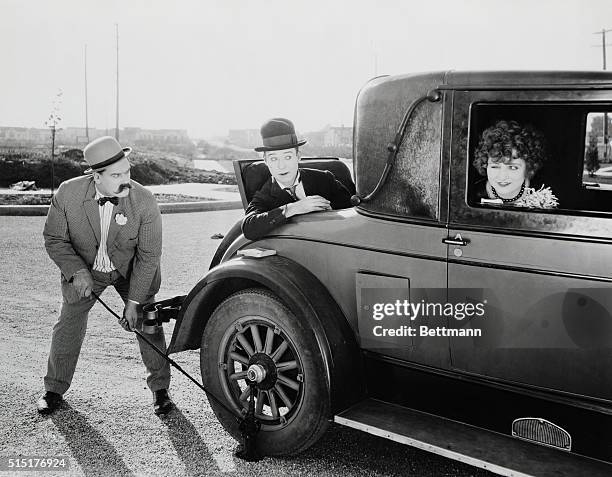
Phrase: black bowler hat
[277,134]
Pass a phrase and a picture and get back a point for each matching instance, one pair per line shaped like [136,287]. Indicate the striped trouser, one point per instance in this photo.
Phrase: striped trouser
[69,332]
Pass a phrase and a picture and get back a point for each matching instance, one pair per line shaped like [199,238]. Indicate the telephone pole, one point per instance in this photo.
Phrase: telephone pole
[117,110]
[605,118]
[603,44]
[86,108]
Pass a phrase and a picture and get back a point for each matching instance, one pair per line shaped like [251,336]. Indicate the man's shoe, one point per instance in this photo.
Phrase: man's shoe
[162,404]
[49,402]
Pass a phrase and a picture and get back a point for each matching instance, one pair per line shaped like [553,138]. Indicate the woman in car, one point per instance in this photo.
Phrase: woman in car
[508,156]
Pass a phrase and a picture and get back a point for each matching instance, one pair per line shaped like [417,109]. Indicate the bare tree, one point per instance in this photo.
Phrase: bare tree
[53,122]
[592,156]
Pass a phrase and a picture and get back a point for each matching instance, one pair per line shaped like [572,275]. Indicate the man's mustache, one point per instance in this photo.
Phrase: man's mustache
[124,186]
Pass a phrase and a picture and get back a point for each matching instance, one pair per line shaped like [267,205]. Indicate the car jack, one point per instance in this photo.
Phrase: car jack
[162,312]
[249,427]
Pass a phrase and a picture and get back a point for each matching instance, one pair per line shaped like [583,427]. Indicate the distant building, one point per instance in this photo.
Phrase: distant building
[74,136]
[154,136]
[247,138]
[78,136]
[315,138]
[329,136]
[338,136]
[17,135]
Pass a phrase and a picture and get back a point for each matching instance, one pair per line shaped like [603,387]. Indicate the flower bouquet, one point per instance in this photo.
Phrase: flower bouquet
[543,198]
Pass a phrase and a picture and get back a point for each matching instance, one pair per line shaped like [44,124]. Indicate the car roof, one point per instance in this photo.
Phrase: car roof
[525,79]
[420,83]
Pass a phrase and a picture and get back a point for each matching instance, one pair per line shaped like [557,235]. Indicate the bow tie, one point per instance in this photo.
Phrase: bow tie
[112,200]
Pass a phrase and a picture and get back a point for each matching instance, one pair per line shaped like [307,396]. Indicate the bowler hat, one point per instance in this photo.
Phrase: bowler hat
[103,152]
[277,134]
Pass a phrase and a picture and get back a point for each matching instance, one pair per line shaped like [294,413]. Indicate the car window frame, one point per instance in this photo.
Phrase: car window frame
[576,223]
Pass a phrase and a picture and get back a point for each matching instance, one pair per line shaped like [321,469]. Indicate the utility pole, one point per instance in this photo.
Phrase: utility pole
[605,118]
[86,107]
[117,110]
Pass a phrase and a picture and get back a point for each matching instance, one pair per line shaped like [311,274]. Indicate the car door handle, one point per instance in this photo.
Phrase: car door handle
[456,241]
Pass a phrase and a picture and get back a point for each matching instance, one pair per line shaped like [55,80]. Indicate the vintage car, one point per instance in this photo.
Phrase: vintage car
[525,389]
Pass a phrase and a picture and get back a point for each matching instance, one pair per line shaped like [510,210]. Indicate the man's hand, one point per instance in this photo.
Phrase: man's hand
[82,282]
[130,316]
[312,203]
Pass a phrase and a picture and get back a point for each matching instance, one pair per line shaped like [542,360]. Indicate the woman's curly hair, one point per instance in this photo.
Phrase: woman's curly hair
[498,141]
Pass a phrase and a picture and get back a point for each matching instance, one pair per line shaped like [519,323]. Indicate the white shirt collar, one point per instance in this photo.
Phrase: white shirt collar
[298,179]
[98,193]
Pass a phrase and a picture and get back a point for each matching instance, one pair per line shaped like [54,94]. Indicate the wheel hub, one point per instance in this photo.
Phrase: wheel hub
[262,370]
[256,373]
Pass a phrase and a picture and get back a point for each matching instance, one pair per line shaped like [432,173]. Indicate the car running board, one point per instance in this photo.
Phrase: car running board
[478,447]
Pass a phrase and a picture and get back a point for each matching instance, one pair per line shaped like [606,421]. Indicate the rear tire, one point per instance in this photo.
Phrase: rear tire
[293,400]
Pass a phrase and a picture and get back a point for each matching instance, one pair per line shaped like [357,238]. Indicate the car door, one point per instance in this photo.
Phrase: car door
[544,276]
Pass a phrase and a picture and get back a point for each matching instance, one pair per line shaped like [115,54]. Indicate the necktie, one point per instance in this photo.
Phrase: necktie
[291,191]
[112,200]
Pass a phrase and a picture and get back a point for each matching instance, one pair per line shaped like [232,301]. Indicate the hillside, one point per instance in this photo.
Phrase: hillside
[148,168]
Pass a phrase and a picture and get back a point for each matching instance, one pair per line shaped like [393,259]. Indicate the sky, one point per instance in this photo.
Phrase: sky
[213,65]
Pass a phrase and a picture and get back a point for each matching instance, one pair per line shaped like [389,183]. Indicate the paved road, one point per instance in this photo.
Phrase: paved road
[107,426]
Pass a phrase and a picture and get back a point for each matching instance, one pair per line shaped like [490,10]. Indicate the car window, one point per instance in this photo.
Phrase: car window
[553,158]
[597,171]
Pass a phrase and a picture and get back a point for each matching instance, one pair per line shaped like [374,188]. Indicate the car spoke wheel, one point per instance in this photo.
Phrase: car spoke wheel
[258,344]
[252,333]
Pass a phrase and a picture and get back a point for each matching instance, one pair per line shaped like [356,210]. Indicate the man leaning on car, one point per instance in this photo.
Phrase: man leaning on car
[290,190]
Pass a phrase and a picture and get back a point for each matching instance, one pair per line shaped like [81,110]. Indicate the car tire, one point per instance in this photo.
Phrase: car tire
[254,328]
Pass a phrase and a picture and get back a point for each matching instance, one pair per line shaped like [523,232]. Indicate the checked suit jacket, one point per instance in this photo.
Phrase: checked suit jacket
[264,212]
[72,234]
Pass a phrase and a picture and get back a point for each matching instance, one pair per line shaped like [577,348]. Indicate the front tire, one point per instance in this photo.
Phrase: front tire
[292,401]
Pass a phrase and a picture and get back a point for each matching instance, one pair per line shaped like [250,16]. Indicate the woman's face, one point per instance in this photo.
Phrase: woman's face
[507,177]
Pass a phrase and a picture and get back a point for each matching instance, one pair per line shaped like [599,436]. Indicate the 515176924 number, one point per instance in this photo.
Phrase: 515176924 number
[55,463]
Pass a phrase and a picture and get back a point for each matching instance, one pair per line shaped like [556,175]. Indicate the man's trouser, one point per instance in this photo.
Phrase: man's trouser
[69,332]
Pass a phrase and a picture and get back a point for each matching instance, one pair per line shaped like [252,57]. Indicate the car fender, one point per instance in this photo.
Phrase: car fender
[233,236]
[305,296]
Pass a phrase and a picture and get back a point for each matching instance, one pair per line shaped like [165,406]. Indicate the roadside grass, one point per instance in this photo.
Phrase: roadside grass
[25,199]
[45,199]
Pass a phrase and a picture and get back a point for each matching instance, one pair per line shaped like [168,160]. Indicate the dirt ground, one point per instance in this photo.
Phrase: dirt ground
[107,425]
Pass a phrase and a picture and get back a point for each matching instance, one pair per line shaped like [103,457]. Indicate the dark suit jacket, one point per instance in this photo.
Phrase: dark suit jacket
[264,211]
[72,234]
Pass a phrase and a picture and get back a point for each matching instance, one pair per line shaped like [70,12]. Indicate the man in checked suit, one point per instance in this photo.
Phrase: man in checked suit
[103,229]
[289,191]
